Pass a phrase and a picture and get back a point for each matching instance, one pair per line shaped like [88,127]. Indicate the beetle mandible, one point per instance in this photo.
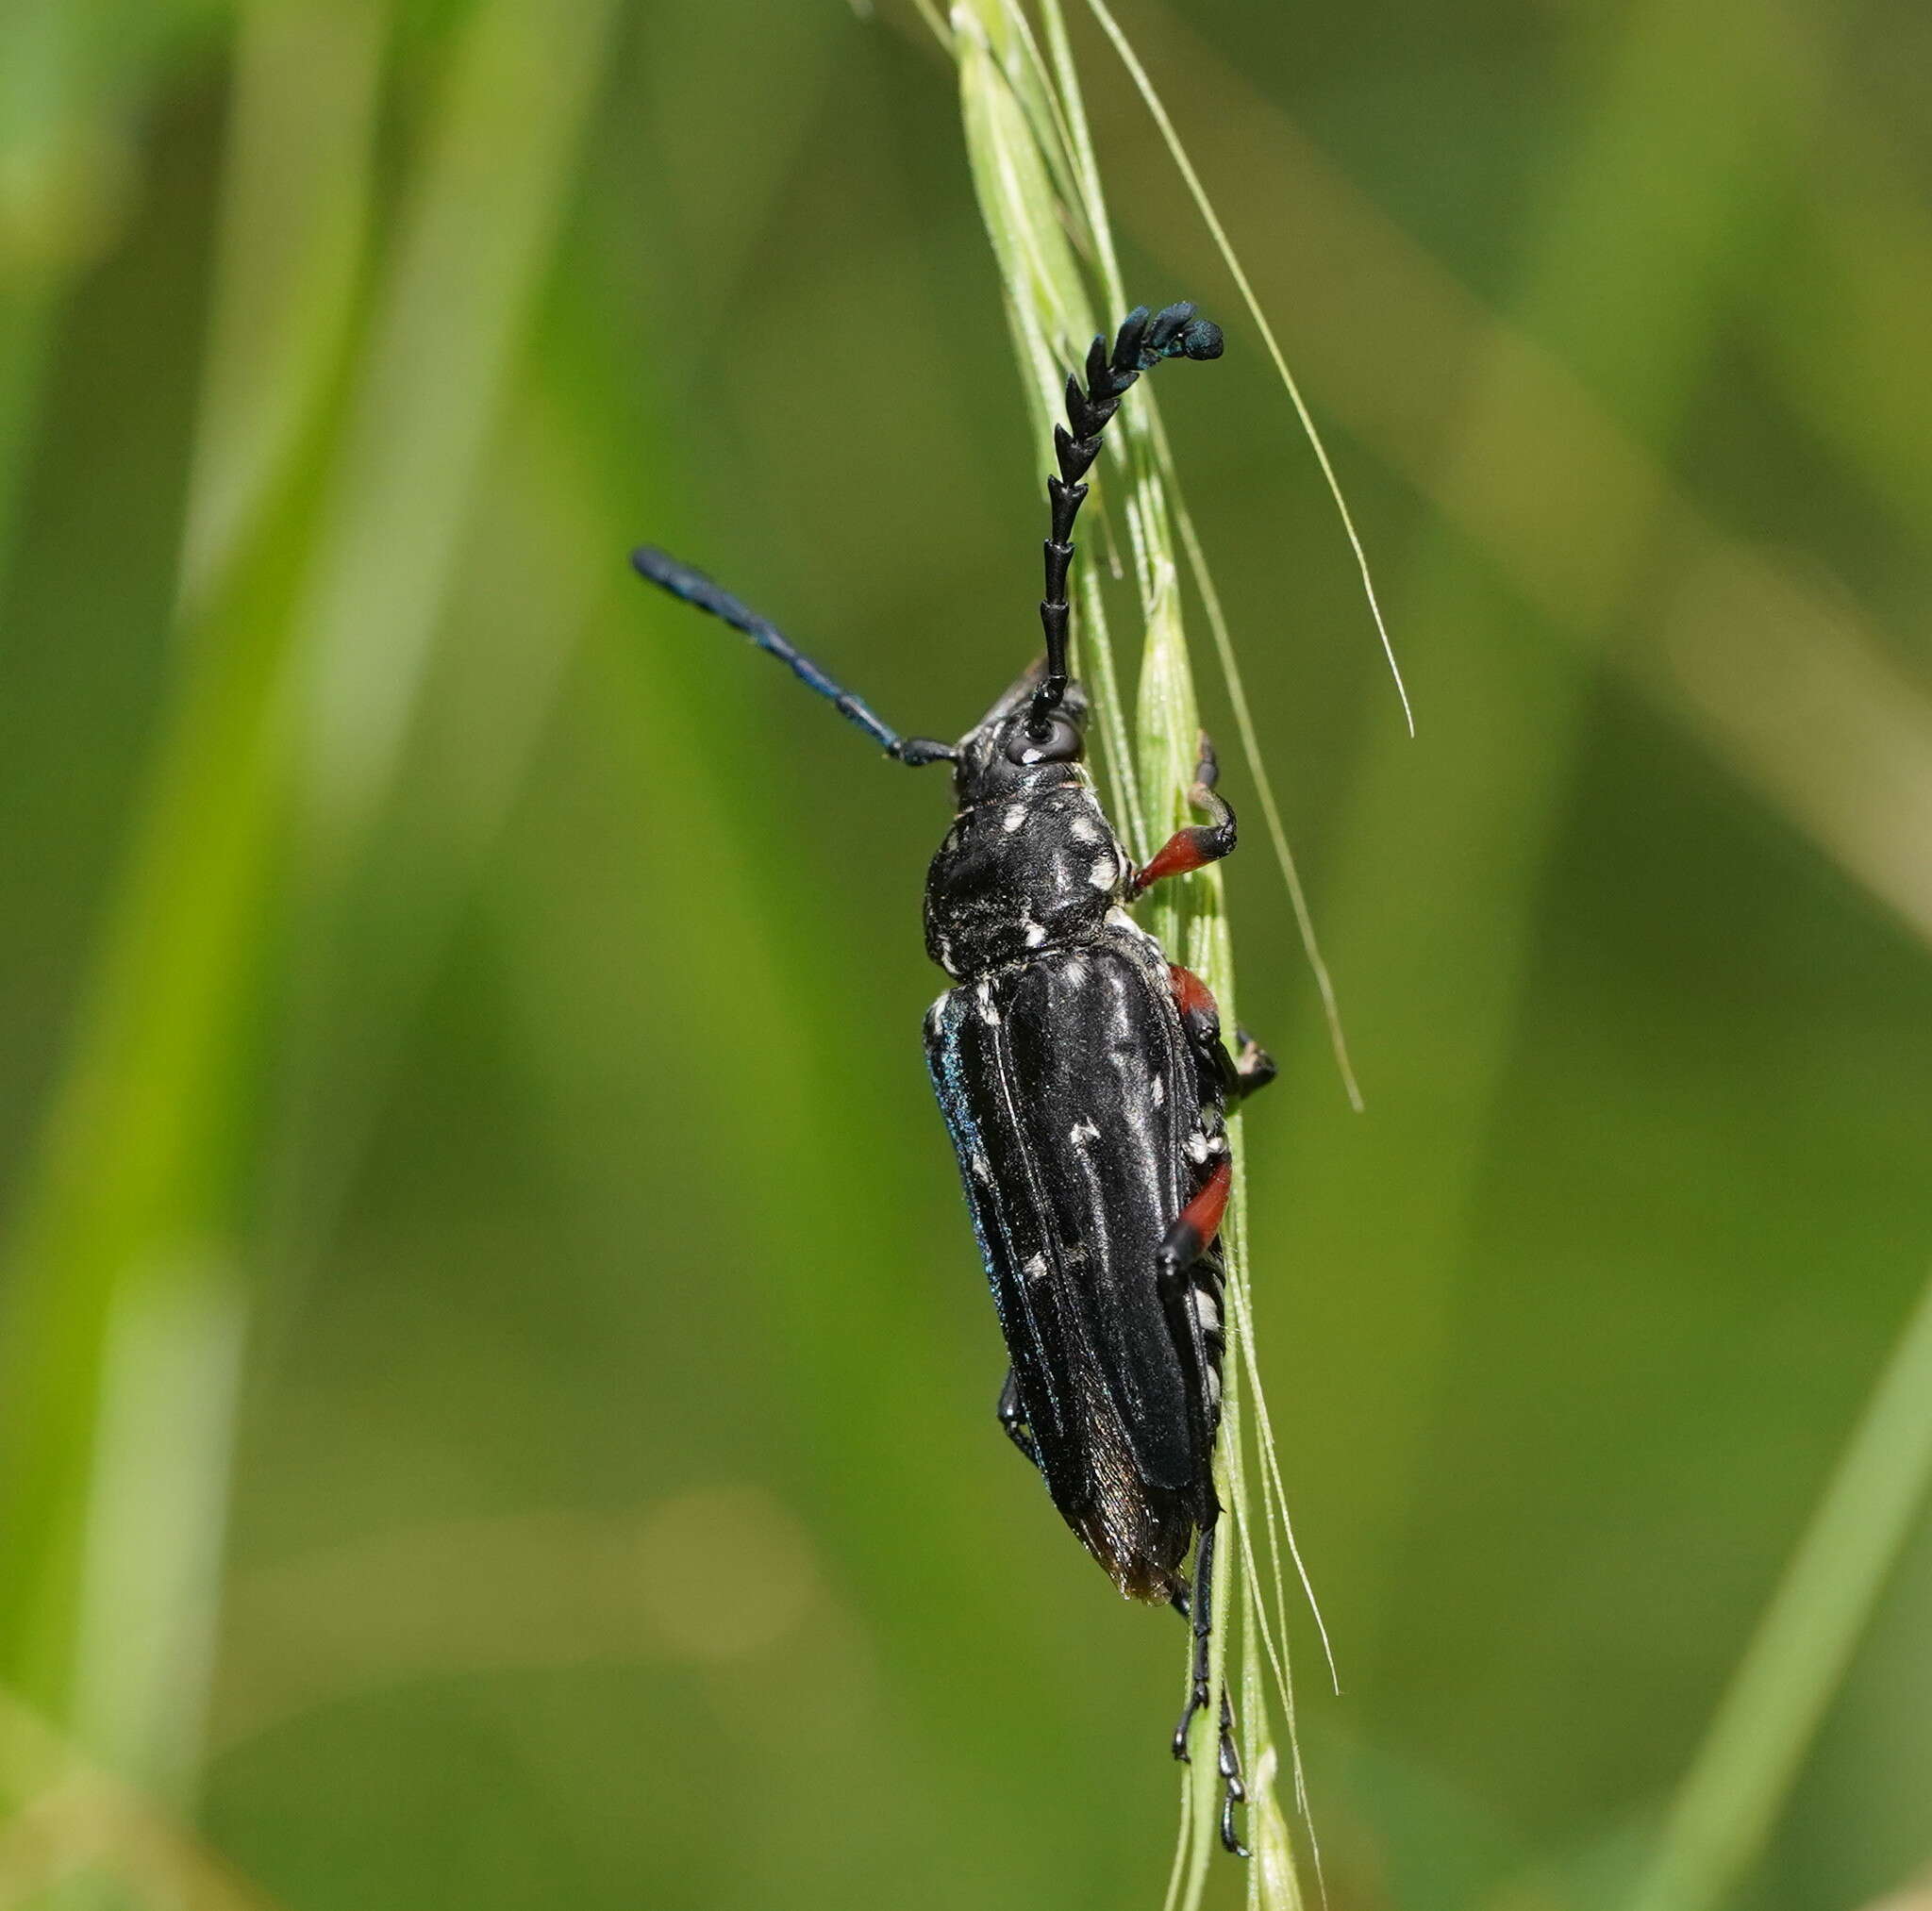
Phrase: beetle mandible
[1083,1077]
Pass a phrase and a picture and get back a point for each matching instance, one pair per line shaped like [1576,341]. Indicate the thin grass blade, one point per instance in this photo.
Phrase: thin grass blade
[127,1324]
[1767,1719]
[1205,206]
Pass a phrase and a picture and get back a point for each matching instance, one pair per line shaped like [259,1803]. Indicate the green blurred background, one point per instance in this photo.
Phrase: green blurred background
[498,1389]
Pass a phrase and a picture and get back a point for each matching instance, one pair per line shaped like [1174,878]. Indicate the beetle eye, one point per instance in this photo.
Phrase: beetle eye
[1062,743]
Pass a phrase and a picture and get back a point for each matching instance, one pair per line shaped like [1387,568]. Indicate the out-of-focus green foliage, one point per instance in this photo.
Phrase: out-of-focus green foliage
[497,1390]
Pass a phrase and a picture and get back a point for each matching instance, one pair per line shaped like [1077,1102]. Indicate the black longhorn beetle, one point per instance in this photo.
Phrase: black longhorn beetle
[1083,1077]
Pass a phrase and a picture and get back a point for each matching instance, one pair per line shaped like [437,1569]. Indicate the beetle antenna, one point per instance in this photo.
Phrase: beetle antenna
[696,587]
[1142,342]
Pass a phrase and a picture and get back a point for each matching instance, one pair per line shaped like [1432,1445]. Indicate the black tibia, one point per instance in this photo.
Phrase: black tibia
[1193,849]
[1199,1611]
[695,587]
[1013,1418]
[1143,340]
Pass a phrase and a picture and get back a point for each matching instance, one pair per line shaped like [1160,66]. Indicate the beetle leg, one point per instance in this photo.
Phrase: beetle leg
[1202,844]
[1199,1611]
[1238,1075]
[1013,1419]
[1254,1066]
[1229,1756]
[1192,1232]
[1186,1242]
[1188,1238]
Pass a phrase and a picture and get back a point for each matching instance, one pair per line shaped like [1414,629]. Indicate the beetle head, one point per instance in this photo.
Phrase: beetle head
[1002,757]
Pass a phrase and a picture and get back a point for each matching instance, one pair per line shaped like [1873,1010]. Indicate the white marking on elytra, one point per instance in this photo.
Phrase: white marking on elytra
[980,1170]
[1159,1092]
[1103,872]
[1035,1267]
[1082,829]
[1013,818]
[1081,1133]
[1036,933]
[988,1013]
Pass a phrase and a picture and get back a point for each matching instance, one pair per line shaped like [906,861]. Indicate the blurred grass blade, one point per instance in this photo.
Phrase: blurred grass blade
[477,239]
[929,13]
[476,233]
[58,174]
[1206,208]
[1790,1671]
[295,220]
[520,608]
[125,1317]
[87,1825]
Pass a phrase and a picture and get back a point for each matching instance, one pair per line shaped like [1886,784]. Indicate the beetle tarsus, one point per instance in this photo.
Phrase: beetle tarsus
[1230,1838]
[1198,1609]
[1254,1066]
